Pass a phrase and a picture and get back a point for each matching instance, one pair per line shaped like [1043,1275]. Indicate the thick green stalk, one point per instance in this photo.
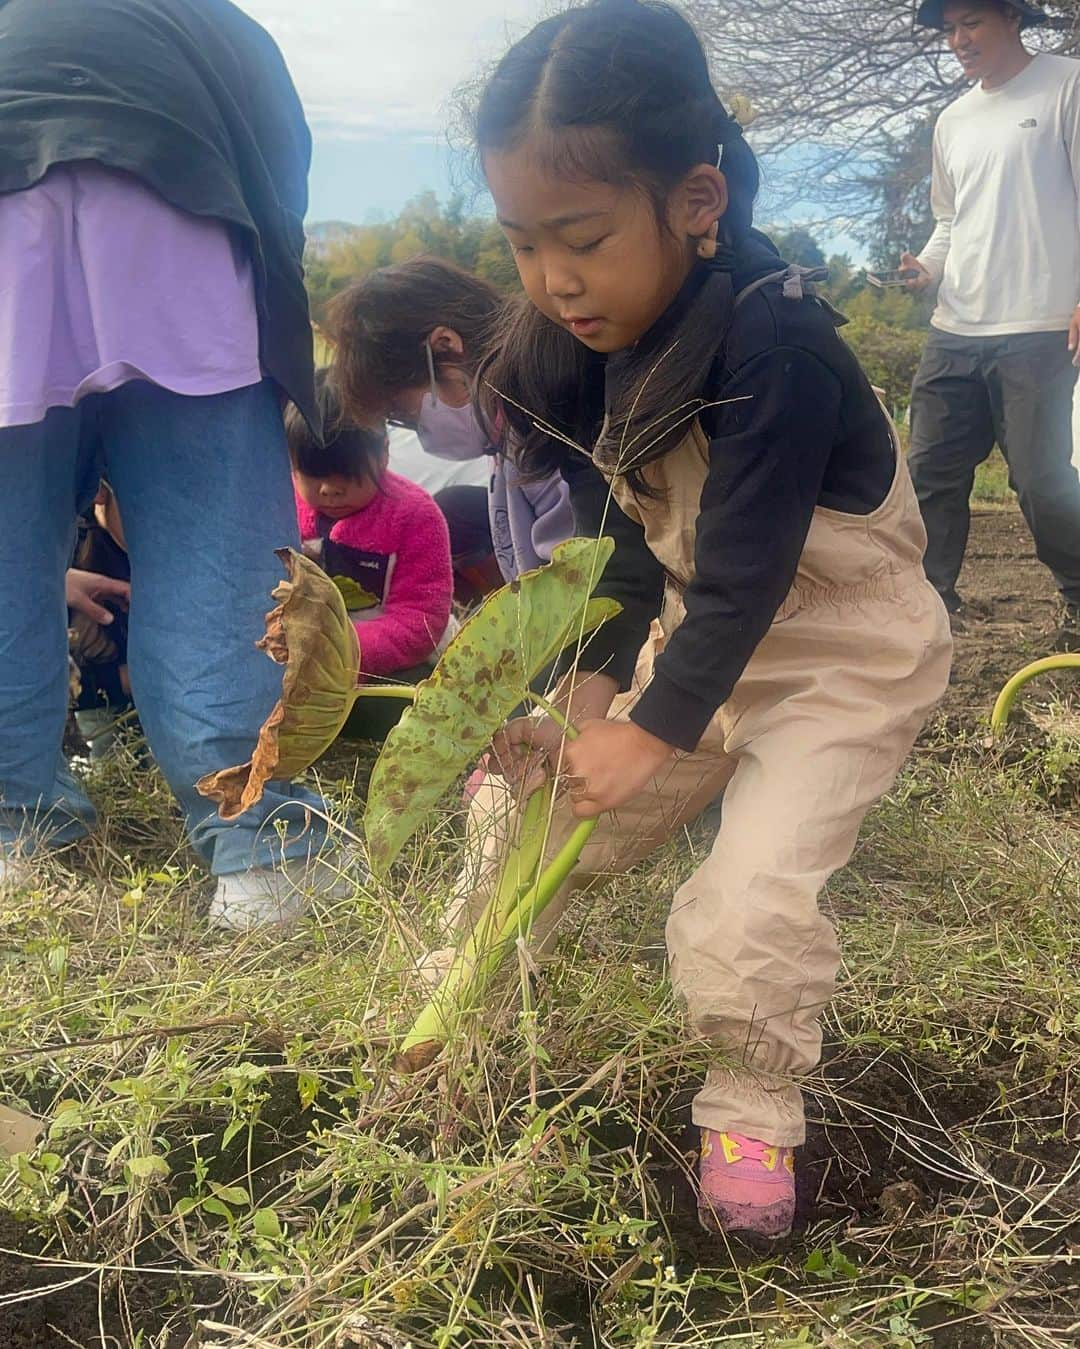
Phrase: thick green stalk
[404,691]
[1007,696]
[470,968]
[481,956]
[519,899]
[551,880]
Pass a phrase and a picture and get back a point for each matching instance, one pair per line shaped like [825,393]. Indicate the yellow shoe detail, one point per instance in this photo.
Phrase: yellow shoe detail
[732,1150]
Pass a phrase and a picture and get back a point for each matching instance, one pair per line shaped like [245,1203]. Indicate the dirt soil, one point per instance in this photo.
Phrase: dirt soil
[1009,618]
[1009,621]
[83,1313]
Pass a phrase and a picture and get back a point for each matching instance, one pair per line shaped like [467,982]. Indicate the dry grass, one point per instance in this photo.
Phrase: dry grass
[231,1160]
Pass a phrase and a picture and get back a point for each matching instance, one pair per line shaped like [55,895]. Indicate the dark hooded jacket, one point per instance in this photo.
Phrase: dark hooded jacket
[797,426]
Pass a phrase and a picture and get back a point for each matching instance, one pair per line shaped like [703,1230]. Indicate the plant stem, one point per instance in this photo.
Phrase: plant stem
[472,964]
[476,963]
[1007,696]
[548,707]
[404,691]
[510,912]
[551,880]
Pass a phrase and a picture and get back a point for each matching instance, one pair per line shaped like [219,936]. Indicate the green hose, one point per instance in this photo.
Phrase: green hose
[1007,696]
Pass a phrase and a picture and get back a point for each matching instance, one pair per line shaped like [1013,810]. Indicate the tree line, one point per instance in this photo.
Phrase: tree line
[885,328]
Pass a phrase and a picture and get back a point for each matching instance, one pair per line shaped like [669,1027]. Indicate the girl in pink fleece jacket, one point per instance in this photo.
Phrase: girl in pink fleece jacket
[381,538]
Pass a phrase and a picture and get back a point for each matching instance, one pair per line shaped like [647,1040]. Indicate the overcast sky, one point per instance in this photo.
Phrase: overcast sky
[376,77]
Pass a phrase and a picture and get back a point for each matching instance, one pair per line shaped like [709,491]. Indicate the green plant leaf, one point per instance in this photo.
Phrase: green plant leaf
[143,1168]
[817,1264]
[231,1130]
[232,1194]
[483,675]
[841,1264]
[266,1224]
[311,634]
[307,1086]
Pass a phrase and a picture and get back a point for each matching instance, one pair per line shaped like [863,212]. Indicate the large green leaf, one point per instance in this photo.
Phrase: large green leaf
[311,634]
[483,675]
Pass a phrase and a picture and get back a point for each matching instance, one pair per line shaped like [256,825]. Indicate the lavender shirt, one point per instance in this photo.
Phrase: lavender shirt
[102,281]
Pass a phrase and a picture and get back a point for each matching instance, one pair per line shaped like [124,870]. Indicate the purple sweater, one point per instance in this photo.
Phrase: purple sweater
[102,281]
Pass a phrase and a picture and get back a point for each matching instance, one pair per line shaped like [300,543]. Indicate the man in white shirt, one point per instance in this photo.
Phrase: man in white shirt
[1000,362]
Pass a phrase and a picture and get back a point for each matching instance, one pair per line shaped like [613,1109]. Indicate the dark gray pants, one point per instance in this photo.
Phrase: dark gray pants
[1017,391]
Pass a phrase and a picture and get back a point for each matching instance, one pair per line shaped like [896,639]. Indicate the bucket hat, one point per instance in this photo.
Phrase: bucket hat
[930,13]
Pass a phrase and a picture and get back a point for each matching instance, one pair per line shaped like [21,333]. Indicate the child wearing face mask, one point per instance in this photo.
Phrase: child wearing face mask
[380,537]
[778,638]
[407,342]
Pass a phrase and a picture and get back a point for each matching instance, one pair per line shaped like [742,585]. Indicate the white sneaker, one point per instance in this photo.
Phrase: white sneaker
[278,896]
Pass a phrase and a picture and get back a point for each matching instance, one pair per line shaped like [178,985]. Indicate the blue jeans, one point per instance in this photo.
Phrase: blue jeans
[205,494]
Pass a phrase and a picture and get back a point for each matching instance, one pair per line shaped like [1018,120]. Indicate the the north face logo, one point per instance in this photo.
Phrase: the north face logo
[1028,122]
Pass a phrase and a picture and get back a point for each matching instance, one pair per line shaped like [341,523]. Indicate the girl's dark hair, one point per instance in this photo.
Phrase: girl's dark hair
[379,327]
[617,91]
[348,451]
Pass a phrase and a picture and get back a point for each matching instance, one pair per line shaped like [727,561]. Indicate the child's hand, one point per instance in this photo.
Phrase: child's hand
[521,751]
[85,588]
[610,762]
[526,751]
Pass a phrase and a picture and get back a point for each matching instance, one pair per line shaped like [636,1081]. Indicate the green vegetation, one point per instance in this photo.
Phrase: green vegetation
[886,329]
[344,253]
[226,1112]
[992,481]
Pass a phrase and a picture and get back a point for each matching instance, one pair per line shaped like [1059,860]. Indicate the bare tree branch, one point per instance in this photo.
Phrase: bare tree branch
[846,95]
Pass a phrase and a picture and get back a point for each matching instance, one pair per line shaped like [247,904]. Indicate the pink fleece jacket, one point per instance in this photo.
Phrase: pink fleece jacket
[396,551]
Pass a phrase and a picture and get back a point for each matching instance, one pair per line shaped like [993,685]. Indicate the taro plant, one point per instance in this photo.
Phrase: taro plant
[484,675]
[308,632]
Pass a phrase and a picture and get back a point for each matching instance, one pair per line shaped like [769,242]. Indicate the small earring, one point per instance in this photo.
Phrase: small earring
[706,245]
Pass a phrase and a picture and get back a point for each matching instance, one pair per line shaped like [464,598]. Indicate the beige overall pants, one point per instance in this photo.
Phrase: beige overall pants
[813,735]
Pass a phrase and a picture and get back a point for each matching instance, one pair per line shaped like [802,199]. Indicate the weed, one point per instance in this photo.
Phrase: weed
[225,1124]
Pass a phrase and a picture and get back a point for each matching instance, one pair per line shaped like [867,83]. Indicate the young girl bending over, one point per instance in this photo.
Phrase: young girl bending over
[735,451]
[381,538]
[408,339]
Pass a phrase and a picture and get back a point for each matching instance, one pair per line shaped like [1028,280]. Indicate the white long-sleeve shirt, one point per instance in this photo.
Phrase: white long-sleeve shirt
[1006,200]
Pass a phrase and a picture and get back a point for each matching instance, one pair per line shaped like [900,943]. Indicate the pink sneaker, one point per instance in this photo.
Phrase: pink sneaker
[747,1187]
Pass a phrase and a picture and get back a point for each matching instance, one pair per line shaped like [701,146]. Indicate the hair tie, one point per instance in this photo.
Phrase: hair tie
[742,111]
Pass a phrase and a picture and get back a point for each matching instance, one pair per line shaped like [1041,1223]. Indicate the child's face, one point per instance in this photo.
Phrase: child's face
[592,257]
[404,406]
[336,496]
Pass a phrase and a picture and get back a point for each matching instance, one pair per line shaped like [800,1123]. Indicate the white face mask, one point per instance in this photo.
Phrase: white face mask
[448,432]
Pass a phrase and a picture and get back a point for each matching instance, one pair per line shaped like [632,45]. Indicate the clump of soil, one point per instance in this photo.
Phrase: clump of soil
[1010,604]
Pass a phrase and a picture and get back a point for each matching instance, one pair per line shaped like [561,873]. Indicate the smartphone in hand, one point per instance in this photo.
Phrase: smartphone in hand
[899,277]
